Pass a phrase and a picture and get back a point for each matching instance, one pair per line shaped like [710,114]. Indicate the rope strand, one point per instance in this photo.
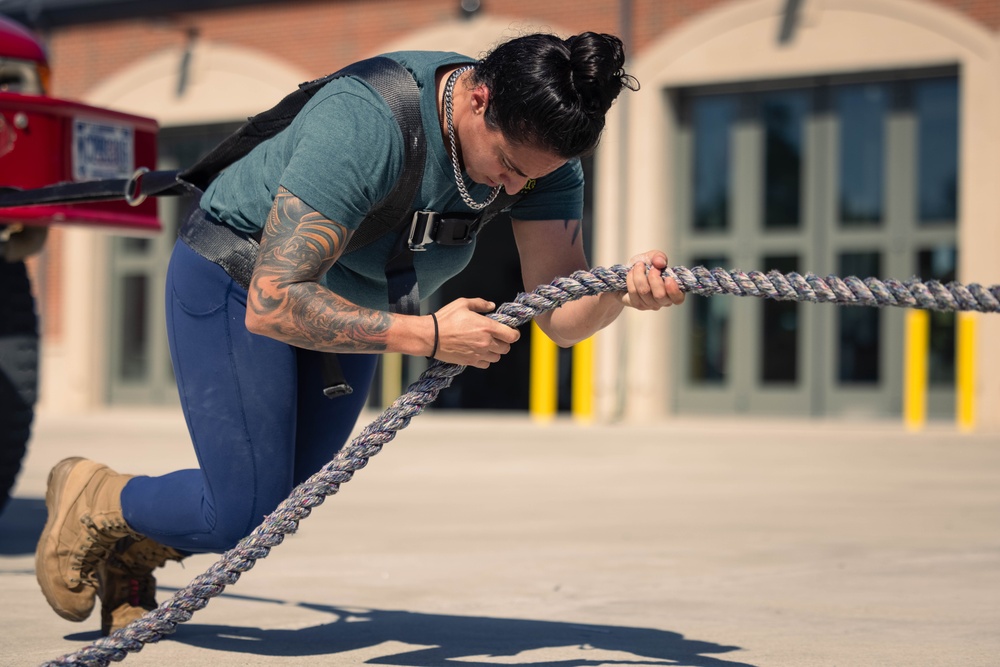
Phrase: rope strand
[163,620]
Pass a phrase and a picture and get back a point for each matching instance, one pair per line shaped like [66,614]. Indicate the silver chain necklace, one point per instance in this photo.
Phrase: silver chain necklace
[459,180]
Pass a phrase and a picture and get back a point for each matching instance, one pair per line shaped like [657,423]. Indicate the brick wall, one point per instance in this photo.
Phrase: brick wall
[320,36]
[986,12]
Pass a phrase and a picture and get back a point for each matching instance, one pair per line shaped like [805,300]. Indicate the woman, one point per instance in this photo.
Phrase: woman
[246,360]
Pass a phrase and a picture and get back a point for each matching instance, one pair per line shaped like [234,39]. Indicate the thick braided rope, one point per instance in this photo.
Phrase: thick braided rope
[285,519]
[850,291]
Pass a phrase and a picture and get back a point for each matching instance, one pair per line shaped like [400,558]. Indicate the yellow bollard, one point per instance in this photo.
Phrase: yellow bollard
[582,400]
[543,389]
[965,371]
[916,348]
[392,377]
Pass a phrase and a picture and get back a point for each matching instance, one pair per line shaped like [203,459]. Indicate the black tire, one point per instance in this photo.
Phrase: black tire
[18,371]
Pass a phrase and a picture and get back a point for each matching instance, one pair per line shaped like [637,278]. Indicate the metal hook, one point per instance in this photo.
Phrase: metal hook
[133,189]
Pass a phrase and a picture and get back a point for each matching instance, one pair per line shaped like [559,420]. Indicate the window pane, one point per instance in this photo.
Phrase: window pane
[134,339]
[134,245]
[709,332]
[859,325]
[936,106]
[712,119]
[861,111]
[783,117]
[780,342]
[939,264]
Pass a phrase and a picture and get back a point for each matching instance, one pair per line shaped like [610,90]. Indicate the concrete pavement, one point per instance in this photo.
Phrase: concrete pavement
[478,539]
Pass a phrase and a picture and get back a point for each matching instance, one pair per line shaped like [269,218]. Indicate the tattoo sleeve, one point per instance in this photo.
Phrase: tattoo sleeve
[297,247]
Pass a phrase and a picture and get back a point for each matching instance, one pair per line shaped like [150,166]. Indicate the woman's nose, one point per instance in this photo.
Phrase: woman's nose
[514,184]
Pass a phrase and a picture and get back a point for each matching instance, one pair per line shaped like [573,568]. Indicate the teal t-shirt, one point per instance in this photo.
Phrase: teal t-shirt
[343,153]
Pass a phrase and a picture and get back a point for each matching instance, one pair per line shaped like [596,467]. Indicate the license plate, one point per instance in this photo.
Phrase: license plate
[102,150]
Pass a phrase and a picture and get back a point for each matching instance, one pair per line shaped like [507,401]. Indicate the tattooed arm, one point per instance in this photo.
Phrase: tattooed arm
[552,248]
[286,302]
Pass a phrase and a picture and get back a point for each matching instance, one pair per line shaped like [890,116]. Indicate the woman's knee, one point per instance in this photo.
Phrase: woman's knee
[237,520]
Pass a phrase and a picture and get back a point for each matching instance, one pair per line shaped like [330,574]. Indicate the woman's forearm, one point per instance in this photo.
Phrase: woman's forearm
[309,316]
[578,320]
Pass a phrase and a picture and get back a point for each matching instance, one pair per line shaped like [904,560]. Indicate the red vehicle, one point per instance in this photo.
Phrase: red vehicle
[44,141]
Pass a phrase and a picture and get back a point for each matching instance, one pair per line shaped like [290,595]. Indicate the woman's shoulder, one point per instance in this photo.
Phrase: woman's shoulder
[353,92]
[427,59]
[423,65]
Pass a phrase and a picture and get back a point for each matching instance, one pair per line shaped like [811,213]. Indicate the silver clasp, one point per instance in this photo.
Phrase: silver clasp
[422,229]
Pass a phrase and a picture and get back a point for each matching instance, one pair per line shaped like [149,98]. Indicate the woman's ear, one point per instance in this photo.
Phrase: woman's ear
[479,99]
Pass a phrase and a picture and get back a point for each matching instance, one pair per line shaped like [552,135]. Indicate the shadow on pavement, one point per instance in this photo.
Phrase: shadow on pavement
[434,640]
[21,525]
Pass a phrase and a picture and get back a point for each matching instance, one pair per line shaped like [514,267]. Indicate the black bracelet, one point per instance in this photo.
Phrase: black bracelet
[436,338]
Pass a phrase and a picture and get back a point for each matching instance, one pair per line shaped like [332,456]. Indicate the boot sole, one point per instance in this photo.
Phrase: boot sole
[59,487]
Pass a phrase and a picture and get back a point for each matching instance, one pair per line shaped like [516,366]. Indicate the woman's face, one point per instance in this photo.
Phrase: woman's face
[490,159]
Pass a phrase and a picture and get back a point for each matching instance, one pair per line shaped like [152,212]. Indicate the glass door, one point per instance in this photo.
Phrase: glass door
[744,204]
[845,177]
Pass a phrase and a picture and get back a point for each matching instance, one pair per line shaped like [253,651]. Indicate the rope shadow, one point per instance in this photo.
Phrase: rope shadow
[440,639]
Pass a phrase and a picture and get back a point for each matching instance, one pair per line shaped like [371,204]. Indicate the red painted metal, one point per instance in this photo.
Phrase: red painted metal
[46,140]
[17,42]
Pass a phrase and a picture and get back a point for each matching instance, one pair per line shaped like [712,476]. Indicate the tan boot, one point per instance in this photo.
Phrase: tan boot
[126,585]
[84,523]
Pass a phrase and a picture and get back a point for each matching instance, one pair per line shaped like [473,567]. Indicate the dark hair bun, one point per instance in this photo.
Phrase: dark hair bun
[554,92]
[597,62]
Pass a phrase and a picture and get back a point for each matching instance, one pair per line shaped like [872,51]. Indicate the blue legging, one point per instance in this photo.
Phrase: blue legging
[255,411]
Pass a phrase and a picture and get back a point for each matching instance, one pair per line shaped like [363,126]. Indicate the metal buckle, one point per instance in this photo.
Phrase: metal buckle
[432,227]
[422,230]
[456,229]
[342,389]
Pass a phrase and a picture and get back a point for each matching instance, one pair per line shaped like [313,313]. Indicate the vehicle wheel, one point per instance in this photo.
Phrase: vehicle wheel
[18,371]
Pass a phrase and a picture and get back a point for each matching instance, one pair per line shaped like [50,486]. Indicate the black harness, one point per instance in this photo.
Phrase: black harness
[236,252]
[395,213]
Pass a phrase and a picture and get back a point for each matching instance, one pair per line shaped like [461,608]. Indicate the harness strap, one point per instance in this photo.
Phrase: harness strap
[141,185]
[400,274]
[237,254]
[234,251]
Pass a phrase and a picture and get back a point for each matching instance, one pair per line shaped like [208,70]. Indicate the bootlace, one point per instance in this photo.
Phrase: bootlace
[101,538]
[148,554]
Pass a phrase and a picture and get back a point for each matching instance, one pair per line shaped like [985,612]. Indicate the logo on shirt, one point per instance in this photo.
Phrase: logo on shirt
[529,186]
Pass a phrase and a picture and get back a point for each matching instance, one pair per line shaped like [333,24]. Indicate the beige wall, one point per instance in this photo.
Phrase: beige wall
[738,42]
